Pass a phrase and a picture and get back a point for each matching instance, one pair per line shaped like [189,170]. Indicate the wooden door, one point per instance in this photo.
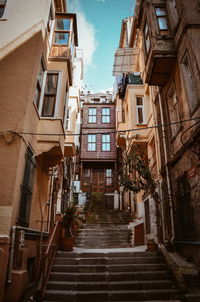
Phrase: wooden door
[109,202]
[139,234]
[98,181]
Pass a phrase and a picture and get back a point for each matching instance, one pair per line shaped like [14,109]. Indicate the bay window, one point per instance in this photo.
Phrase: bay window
[62,31]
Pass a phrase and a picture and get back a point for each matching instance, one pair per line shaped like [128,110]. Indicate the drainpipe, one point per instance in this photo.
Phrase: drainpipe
[167,169]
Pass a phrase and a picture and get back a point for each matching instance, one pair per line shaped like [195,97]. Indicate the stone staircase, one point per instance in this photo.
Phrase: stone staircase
[104,229]
[110,276]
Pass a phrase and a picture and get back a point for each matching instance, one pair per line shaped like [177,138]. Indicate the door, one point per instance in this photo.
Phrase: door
[139,234]
[98,181]
[109,202]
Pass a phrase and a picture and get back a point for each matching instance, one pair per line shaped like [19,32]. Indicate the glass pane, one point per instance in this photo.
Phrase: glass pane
[62,38]
[41,74]
[109,181]
[160,11]
[109,172]
[51,83]
[1,11]
[92,138]
[162,23]
[105,119]
[140,116]
[92,119]
[106,111]
[139,100]
[106,147]
[91,147]
[105,138]
[48,106]
[63,24]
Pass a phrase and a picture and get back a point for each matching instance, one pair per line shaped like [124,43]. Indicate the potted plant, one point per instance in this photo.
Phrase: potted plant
[67,241]
[151,245]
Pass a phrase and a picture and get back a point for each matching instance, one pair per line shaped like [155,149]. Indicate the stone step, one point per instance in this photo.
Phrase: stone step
[111,276]
[109,268]
[111,286]
[107,261]
[108,254]
[127,295]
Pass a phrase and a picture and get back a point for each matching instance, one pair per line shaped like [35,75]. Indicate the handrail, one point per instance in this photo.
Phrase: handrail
[51,238]
[48,257]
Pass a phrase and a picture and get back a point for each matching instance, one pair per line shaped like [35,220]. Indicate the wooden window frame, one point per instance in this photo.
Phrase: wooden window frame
[105,117]
[109,178]
[106,144]
[91,143]
[164,31]
[92,117]
[2,8]
[62,31]
[27,188]
[138,108]
[38,91]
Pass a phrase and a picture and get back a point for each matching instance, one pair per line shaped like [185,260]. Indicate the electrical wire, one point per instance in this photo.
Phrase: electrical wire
[100,132]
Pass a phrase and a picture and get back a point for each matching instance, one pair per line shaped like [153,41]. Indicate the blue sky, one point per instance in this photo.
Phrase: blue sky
[99,25]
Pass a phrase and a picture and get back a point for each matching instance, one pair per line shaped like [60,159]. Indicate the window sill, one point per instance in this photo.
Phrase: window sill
[3,19]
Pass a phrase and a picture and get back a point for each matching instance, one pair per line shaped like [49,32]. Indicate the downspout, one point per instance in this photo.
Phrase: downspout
[167,168]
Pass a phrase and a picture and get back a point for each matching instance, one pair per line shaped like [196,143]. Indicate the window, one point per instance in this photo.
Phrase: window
[186,210]
[162,19]
[147,217]
[50,21]
[189,83]
[172,103]
[86,173]
[106,142]
[67,119]
[92,115]
[140,109]
[108,177]
[92,142]
[27,188]
[2,7]
[105,115]
[39,84]
[62,31]
[50,91]
[146,38]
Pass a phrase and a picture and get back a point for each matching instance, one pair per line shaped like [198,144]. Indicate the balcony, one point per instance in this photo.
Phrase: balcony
[160,62]
[125,60]
[70,147]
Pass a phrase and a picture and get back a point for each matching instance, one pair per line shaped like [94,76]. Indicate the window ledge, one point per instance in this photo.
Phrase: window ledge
[3,19]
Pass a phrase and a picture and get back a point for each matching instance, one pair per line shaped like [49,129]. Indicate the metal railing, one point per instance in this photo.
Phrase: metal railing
[47,259]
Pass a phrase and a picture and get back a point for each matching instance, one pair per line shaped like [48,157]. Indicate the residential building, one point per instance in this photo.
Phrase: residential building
[171,34]
[134,120]
[36,58]
[98,163]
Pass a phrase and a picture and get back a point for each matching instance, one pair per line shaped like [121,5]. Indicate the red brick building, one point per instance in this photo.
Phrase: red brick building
[98,148]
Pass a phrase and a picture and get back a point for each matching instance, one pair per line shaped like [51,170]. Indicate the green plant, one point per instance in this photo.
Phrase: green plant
[68,220]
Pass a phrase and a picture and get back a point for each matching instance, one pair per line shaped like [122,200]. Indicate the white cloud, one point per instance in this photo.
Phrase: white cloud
[86,33]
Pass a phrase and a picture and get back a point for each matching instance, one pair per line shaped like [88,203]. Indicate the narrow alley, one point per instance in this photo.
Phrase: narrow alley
[99,151]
